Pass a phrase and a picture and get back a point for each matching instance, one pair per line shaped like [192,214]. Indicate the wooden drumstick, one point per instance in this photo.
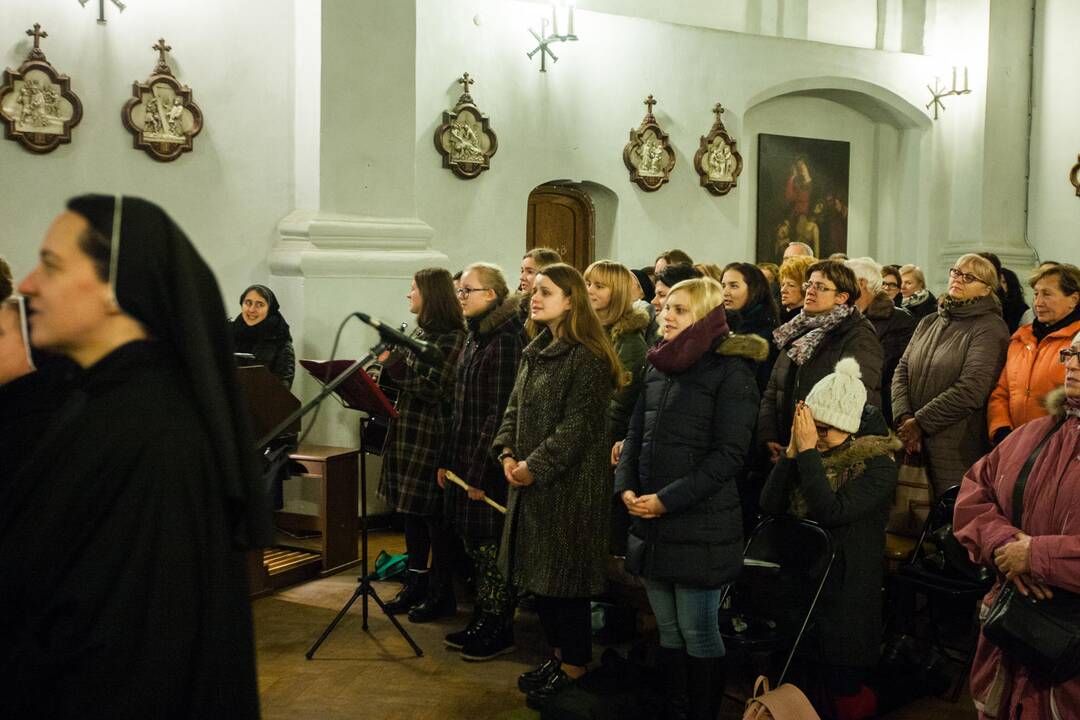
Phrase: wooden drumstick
[458,481]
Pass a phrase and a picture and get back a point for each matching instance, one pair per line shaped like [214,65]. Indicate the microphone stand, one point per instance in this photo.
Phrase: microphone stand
[363,587]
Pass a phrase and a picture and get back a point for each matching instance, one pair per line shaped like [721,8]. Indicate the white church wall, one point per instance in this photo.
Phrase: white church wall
[1054,220]
[549,126]
[228,194]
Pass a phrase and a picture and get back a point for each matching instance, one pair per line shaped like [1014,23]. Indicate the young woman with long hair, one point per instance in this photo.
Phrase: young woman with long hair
[411,460]
[555,540]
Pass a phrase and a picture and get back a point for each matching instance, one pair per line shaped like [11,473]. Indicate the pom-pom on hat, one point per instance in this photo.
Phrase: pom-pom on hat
[838,399]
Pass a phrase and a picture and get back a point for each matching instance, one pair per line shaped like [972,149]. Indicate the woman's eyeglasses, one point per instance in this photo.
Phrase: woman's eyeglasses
[889,285]
[1068,353]
[819,287]
[966,278]
[463,292]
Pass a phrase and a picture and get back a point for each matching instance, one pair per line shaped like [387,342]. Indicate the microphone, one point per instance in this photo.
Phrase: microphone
[424,350]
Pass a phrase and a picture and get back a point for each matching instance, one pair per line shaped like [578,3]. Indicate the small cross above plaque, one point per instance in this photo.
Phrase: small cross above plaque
[162,66]
[37,33]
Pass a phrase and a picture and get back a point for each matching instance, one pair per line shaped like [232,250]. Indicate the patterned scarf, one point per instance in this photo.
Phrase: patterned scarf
[916,298]
[948,302]
[805,332]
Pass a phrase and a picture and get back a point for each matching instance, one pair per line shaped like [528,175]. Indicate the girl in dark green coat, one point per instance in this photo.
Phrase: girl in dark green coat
[555,538]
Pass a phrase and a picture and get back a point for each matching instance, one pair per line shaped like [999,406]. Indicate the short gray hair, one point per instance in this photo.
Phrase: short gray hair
[866,268]
[807,250]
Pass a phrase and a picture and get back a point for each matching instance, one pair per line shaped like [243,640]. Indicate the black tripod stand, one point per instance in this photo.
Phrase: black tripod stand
[364,395]
[363,584]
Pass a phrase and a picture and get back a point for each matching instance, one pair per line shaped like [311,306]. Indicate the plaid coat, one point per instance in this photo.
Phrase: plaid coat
[416,437]
[485,377]
[555,540]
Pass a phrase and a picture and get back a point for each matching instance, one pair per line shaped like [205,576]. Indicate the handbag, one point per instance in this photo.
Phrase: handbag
[1043,635]
[786,702]
[913,498]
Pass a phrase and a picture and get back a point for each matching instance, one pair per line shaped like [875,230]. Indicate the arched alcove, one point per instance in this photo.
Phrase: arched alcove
[603,206]
[889,140]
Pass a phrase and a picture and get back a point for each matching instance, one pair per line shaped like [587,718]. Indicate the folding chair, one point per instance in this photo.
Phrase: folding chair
[769,608]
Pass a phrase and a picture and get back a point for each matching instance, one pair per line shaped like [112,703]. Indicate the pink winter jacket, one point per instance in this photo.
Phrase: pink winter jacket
[982,522]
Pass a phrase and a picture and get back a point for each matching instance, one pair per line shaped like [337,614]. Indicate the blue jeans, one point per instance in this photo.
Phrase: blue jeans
[687,617]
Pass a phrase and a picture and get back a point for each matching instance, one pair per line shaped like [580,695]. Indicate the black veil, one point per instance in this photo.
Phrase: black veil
[161,280]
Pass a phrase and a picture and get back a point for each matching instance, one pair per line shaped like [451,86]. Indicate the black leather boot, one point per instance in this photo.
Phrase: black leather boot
[457,640]
[496,638]
[412,592]
[705,687]
[438,604]
[673,673]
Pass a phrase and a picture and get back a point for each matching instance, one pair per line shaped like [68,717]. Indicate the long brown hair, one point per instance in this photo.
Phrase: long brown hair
[581,325]
[440,310]
[617,277]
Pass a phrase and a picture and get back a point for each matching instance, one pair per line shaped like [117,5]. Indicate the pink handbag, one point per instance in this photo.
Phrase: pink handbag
[786,702]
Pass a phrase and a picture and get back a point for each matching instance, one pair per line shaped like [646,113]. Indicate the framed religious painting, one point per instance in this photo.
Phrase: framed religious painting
[465,139]
[162,114]
[802,195]
[717,161]
[649,156]
[37,105]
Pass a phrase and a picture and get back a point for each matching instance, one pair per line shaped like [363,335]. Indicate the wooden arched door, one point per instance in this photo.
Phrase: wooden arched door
[561,218]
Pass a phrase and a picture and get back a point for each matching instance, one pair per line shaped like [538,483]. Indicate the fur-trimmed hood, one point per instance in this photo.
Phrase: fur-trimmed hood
[752,347]
[507,309]
[1054,402]
[880,308]
[636,320]
[859,450]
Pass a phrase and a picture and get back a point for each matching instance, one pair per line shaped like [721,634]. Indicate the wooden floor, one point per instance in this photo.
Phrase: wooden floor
[376,675]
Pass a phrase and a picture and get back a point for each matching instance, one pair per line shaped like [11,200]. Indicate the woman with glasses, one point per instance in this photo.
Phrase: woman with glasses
[838,471]
[792,276]
[557,464]
[830,327]
[411,459]
[1040,556]
[890,283]
[1031,368]
[945,376]
[485,377]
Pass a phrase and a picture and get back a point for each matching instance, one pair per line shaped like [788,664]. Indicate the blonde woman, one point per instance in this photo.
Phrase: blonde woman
[792,276]
[677,477]
[946,374]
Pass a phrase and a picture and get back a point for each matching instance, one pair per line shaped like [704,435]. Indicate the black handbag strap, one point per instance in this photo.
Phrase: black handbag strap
[1022,478]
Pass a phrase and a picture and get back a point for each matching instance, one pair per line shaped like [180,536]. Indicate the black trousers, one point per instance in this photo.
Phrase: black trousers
[567,624]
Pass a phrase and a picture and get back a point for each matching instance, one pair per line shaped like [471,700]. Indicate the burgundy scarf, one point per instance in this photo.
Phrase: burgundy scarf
[693,342]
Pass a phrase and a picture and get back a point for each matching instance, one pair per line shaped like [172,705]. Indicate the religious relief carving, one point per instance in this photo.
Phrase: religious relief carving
[1074,176]
[717,161]
[649,156]
[37,104]
[465,139]
[162,115]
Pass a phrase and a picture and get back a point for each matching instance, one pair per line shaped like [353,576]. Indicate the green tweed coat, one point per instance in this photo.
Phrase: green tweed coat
[556,535]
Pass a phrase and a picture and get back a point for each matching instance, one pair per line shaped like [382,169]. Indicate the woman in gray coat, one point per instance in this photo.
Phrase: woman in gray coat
[946,374]
[555,457]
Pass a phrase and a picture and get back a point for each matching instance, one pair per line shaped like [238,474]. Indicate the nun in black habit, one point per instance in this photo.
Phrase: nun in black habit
[260,329]
[123,590]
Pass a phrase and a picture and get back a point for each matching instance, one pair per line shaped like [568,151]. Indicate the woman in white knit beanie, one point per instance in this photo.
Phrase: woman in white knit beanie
[839,472]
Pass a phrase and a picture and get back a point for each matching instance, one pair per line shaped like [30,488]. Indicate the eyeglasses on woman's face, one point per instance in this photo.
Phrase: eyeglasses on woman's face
[464,292]
[817,286]
[1069,353]
[964,277]
[889,285]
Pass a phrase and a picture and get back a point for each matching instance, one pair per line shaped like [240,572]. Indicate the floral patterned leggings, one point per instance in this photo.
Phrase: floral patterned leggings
[494,595]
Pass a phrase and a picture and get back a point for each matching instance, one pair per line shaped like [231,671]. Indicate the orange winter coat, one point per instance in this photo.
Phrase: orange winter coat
[1031,371]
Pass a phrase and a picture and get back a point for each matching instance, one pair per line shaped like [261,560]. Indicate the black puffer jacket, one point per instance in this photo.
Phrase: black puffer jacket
[894,327]
[688,438]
